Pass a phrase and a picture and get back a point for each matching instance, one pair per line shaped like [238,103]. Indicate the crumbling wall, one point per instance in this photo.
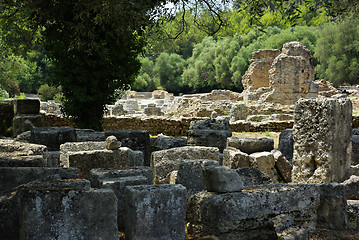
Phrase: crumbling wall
[291,77]
[257,75]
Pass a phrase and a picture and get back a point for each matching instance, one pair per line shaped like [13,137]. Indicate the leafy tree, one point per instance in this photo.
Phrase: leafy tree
[47,92]
[93,45]
[337,51]
[145,81]
[169,69]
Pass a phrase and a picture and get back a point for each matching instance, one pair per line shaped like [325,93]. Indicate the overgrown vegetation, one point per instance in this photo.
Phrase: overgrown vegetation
[94,49]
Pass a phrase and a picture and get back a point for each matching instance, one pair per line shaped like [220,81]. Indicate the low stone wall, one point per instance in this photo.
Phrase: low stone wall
[175,127]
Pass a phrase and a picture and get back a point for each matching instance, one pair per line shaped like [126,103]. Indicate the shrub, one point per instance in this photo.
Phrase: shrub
[47,92]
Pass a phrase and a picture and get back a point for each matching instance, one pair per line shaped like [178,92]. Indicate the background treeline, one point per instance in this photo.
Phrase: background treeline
[185,55]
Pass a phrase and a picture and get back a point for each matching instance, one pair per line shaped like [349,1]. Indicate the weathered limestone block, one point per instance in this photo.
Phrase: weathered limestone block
[253,177]
[165,161]
[26,106]
[156,212]
[285,144]
[208,138]
[135,140]
[117,180]
[23,123]
[257,75]
[282,166]
[11,177]
[86,160]
[53,137]
[332,212]
[209,133]
[53,159]
[352,187]
[221,179]
[65,213]
[153,111]
[11,147]
[355,150]
[265,162]
[118,110]
[131,105]
[238,111]
[235,158]
[88,135]
[69,147]
[249,214]
[10,205]
[99,174]
[251,145]
[190,174]
[138,158]
[322,140]
[22,161]
[162,142]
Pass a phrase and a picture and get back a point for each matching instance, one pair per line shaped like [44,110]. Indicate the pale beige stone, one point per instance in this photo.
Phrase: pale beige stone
[265,162]
[322,135]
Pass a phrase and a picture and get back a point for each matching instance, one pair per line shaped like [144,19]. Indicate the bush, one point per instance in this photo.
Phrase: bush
[337,51]
[47,92]
[3,94]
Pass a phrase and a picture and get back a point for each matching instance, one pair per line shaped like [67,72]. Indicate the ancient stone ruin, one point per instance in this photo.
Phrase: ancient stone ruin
[59,182]
[281,77]
[100,188]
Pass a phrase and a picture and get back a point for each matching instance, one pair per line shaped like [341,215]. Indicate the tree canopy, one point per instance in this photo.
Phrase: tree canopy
[91,48]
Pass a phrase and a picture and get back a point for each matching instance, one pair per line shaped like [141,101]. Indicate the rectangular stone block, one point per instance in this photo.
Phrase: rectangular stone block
[26,106]
[98,175]
[251,145]
[135,140]
[68,214]
[165,161]
[11,177]
[20,148]
[190,174]
[87,160]
[53,137]
[332,211]
[22,161]
[68,147]
[117,180]
[156,212]
[53,159]
[118,186]
[322,136]
[235,158]
[250,214]
[10,204]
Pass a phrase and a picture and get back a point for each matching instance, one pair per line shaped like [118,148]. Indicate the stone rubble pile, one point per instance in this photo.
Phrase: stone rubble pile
[66,183]
[100,188]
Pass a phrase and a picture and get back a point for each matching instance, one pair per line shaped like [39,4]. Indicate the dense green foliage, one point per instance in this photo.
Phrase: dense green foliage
[92,48]
[338,52]
[47,92]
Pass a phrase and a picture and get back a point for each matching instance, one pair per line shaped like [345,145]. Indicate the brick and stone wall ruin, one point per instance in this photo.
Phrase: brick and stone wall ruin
[281,78]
